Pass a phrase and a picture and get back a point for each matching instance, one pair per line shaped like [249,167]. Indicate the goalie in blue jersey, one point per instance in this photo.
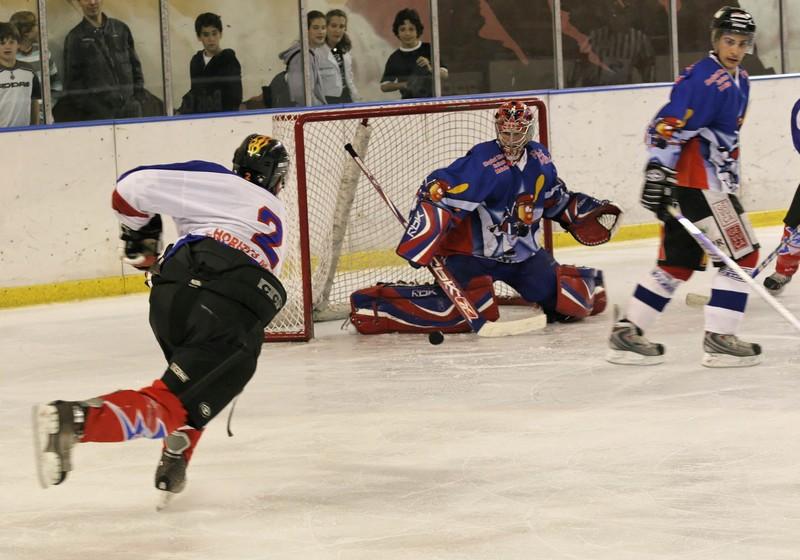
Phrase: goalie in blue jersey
[483,214]
[694,163]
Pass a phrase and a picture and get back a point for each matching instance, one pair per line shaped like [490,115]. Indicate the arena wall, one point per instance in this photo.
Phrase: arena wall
[60,236]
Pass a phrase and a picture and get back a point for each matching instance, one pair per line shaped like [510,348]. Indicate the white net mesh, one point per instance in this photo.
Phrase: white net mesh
[352,234]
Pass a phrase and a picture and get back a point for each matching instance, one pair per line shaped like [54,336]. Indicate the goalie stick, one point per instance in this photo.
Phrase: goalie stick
[714,251]
[699,300]
[449,285]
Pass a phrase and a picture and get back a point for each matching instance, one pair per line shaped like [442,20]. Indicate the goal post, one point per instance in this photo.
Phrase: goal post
[339,235]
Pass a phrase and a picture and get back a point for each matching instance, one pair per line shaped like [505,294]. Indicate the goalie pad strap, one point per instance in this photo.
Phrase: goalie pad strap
[580,291]
[419,308]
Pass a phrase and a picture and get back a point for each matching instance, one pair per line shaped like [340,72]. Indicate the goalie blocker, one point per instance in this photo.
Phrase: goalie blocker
[424,308]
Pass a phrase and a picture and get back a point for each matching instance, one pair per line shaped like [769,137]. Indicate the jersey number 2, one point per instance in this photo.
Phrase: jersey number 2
[269,241]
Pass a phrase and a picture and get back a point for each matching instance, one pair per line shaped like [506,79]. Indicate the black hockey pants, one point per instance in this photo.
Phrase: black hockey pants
[208,309]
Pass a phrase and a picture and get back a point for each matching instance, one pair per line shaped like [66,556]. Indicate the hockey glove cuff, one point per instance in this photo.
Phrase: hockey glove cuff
[140,248]
[659,184]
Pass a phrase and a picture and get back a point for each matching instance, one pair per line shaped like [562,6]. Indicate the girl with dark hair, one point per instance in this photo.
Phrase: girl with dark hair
[336,64]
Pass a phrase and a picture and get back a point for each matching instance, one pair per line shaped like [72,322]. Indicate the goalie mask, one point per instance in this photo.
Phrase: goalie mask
[513,121]
[263,161]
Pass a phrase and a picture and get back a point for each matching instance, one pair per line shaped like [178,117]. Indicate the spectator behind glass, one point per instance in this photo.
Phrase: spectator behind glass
[335,61]
[102,72]
[294,62]
[216,75]
[616,52]
[19,87]
[409,69]
[29,52]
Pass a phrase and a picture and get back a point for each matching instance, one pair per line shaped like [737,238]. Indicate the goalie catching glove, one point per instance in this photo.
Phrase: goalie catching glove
[140,248]
[590,221]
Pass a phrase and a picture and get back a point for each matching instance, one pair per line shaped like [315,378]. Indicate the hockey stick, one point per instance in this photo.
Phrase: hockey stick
[699,300]
[712,250]
[449,285]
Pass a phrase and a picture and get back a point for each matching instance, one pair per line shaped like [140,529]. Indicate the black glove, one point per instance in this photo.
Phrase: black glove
[140,247]
[659,184]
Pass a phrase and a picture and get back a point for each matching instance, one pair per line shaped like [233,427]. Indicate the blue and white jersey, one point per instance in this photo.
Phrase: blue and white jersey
[205,200]
[795,123]
[697,132]
[497,206]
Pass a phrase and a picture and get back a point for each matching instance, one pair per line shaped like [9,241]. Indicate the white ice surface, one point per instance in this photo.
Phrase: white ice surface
[385,447]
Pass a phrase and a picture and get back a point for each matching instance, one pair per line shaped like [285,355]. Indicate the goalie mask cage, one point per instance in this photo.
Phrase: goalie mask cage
[340,235]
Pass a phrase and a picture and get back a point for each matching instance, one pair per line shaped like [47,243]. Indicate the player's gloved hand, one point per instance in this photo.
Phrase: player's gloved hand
[659,182]
[791,242]
[140,248]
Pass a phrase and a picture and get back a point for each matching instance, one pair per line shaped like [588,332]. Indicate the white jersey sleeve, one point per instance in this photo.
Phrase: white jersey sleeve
[206,199]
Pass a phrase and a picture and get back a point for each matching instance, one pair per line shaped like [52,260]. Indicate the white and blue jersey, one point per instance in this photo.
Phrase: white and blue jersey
[205,200]
[697,131]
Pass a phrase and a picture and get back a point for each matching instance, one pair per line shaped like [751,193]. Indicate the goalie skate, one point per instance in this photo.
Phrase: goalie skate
[726,350]
[776,283]
[57,427]
[628,346]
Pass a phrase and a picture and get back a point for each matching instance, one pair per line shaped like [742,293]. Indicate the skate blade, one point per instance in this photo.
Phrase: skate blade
[714,360]
[48,463]
[627,358]
[164,499]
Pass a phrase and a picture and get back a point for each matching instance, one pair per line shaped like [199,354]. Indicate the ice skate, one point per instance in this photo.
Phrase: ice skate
[57,427]
[776,282]
[170,476]
[628,346]
[726,350]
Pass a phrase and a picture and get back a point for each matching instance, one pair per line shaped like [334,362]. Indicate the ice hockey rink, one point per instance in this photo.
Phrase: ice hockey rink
[354,447]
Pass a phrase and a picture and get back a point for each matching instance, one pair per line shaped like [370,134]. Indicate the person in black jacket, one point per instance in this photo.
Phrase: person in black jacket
[215,72]
[102,72]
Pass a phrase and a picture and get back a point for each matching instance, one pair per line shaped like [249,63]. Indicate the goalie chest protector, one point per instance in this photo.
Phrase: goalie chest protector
[417,308]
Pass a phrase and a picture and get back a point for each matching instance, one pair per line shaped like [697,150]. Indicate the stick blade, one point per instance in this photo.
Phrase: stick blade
[498,329]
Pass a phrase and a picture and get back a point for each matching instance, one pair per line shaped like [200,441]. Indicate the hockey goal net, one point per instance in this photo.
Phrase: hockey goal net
[340,235]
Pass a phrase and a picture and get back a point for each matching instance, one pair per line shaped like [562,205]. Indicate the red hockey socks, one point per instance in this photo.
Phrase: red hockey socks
[152,412]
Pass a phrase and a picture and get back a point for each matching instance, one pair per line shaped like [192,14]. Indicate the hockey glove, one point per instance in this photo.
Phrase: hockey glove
[659,182]
[140,247]
[791,242]
[590,221]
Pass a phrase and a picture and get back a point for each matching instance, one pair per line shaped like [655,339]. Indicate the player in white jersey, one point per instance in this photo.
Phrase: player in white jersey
[213,293]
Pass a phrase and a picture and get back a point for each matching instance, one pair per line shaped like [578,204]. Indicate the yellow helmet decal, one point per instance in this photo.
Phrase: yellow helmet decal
[458,189]
[256,143]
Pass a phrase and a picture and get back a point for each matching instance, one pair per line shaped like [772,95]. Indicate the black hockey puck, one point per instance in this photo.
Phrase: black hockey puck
[436,337]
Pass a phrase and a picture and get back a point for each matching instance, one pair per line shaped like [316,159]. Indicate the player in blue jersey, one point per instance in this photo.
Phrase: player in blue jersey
[483,213]
[694,162]
[789,256]
[213,293]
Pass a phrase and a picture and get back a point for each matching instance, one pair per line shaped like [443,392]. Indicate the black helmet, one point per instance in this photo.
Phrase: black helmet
[261,160]
[733,20]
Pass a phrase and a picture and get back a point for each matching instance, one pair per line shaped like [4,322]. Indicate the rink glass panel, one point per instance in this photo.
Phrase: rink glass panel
[607,42]
[143,17]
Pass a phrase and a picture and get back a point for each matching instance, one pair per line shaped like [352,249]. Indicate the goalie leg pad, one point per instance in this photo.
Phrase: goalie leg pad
[410,308]
[581,291]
